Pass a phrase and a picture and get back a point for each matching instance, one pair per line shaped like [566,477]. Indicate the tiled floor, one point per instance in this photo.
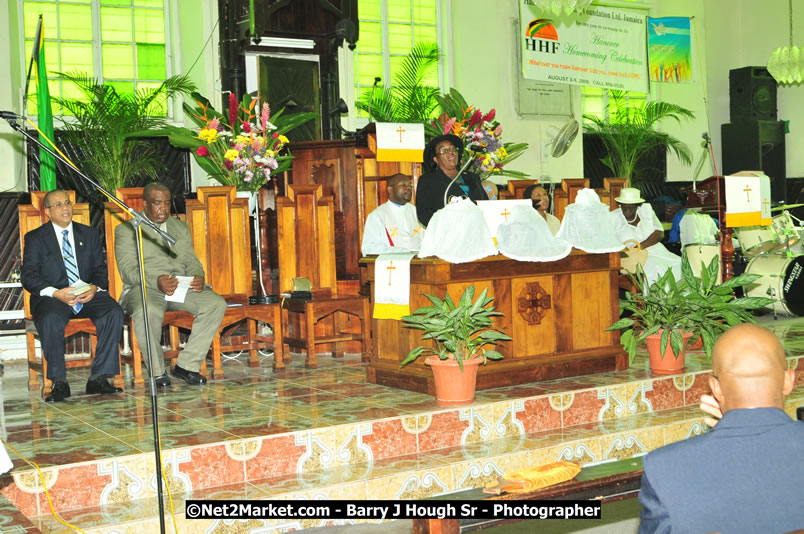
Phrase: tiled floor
[259,434]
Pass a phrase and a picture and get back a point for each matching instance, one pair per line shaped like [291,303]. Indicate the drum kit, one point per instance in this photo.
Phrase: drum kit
[776,253]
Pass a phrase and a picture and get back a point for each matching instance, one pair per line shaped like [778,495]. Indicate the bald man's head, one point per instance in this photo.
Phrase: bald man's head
[749,369]
[400,189]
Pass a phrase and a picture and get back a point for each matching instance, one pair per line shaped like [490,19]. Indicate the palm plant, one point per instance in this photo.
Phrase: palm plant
[630,135]
[106,127]
[409,99]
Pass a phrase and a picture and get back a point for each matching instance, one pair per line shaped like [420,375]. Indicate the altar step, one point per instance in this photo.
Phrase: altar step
[417,475]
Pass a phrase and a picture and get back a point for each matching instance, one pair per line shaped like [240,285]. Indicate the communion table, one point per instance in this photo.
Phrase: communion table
[555,312]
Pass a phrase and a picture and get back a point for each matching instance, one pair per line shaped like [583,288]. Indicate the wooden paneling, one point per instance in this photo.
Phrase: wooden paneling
[591,291]
[532,338]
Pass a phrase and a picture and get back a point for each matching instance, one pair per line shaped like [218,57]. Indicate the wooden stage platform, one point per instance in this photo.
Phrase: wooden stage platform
[324,433]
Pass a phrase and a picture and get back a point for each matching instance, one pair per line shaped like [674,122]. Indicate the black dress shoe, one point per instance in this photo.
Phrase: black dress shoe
[162,381]
[101,386]
[191,377]
[60,391]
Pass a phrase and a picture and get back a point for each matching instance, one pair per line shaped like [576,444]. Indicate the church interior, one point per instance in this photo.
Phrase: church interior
[309,394]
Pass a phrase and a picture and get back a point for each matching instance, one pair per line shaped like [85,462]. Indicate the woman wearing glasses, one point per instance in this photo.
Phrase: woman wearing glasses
[442,159]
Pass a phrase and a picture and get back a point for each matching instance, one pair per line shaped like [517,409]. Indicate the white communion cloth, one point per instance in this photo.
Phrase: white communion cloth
[697,227]
[587,226]
[527,237]
[392,228]
[458,233]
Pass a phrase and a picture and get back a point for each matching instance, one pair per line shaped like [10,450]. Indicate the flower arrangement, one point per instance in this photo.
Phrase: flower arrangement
[478,130]
[243,148]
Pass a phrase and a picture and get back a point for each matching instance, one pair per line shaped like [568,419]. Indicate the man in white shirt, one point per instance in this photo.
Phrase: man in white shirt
[393,226]
[59,256]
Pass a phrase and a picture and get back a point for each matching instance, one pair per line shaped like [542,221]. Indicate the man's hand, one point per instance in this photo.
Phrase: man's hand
[167,283]
[197,284]
[65,296]
[86,296]
[710,405]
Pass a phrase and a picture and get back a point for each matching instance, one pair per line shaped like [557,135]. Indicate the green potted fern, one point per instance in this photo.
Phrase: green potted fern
[460,334]
[665,314]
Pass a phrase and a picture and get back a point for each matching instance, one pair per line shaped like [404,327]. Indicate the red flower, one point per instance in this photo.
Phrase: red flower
[228,164]
[275,135]
[246,127]
[233,108]
[489,116]
[476,117]
[202,151]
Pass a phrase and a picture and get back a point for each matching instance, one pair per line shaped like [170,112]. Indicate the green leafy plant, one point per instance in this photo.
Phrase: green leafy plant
[693,304]
[409,99]
[459,331]
[107,127]
[629,134]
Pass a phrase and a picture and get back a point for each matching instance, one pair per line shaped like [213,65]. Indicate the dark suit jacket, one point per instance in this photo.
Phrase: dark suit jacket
[430,192]
[43,265]
[745,475]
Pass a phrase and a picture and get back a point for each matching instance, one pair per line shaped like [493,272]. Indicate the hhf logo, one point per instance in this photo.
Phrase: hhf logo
[541,36]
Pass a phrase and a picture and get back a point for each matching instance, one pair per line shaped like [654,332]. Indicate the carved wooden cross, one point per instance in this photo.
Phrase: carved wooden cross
[390,270]
[401,131]
[747,195]
[505,214]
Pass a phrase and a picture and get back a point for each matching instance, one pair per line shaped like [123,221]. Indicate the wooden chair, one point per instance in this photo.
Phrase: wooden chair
[32,216]
[220,232]
[305,223]
[515,189]
[566,195]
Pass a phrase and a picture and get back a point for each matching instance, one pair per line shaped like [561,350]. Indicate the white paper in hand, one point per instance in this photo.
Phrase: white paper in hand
[181,290]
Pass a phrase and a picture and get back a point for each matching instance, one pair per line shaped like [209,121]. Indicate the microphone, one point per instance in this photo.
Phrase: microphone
[478,148]
[9,116]
[377,80]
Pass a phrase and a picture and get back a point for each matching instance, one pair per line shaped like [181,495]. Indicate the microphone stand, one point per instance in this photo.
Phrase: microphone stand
[468,162]
[138,220]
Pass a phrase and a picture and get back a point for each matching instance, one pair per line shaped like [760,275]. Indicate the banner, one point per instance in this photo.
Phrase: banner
[670,49]
[603,47]
[47,163]
[398,141]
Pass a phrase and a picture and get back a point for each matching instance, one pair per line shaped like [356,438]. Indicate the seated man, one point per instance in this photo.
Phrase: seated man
[745,474]
[163,263]
[59,256]
[393,226]
[636,220]
[541,203]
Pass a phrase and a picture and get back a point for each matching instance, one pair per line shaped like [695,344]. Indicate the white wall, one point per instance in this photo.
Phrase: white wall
[12,171]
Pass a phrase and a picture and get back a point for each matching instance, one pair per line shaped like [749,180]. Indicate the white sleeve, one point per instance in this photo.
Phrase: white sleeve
[650,216]
[375,240]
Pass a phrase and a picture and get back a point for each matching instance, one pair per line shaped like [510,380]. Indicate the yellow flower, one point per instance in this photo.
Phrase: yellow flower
[271,153]
[502,153]
[231,154]
[243,140]
[208,134]
[283,139]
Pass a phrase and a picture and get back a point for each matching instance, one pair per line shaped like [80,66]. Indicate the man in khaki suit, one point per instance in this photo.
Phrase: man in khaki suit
[162,264]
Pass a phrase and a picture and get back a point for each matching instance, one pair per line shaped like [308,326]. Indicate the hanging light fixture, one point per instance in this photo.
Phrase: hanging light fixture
[557,7]
[786,65]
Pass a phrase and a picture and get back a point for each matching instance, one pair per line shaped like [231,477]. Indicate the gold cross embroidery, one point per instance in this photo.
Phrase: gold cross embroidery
[747,195]
[401,131]
[390,270]
[394,231]
[765,203]
[505,214]
[416,231]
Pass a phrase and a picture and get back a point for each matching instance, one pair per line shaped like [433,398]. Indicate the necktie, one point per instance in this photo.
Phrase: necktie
[70,265]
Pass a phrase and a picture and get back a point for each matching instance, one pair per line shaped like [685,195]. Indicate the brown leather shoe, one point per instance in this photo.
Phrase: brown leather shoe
[60,392]
[101,386]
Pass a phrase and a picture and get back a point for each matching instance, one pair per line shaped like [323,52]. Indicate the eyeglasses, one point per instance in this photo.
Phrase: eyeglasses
[59,205]
[452,150]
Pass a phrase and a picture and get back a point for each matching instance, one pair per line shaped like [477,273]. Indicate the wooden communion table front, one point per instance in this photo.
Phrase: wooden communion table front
[555,312]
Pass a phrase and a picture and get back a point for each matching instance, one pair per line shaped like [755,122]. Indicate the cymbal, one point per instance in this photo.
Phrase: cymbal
[786,207]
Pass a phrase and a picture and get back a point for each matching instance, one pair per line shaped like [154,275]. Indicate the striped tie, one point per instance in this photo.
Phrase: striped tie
[70,265]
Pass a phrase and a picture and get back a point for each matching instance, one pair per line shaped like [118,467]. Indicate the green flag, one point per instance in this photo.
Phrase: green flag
[47,163]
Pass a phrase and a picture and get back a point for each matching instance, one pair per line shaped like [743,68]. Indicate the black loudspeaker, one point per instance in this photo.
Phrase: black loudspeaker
[756,146]
[752,94]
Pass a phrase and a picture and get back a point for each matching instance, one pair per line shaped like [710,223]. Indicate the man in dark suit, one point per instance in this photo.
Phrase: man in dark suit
[745,474]
[57,256]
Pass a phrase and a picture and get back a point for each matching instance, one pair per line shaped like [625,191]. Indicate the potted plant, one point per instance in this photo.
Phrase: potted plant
[460,334]
[629,134]
[670,311]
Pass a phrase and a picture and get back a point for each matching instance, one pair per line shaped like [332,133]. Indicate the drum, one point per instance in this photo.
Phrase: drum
[782,279]
[698,253]
[787,235]
[756,239]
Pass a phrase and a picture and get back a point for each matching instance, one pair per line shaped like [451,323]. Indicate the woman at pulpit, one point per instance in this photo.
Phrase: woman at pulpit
[443,157]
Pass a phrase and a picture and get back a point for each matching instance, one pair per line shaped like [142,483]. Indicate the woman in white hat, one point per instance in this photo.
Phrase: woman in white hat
[636,220]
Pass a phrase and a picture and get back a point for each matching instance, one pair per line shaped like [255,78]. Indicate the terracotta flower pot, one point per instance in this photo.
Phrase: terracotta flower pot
[453,386]
[697,344]
[669,364]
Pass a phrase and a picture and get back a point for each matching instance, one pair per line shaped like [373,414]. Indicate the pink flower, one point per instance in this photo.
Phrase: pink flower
[202,152]
[448,126]
[498,130]
[266,114]
[476,117]
[489,116]
[275,135]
